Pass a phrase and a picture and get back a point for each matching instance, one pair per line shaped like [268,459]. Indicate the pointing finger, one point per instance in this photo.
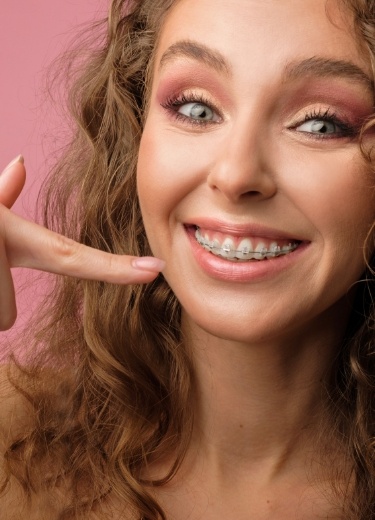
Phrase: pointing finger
[33,246]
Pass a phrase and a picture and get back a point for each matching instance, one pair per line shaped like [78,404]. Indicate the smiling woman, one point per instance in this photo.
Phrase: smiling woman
[228,145]
[277,143]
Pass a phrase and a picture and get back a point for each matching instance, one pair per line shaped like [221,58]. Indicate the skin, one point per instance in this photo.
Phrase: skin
[26,244]
[263,347]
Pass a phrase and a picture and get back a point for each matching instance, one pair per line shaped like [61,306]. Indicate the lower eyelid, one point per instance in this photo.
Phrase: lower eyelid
[192,122]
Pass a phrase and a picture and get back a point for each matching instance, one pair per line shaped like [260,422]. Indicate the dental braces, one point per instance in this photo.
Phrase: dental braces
[275,250]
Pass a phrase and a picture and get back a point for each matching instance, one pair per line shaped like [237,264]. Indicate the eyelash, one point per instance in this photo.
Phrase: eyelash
[327,115]
[171,104]
[174,102]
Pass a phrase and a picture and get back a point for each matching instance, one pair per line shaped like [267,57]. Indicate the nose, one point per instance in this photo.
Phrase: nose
[242,167]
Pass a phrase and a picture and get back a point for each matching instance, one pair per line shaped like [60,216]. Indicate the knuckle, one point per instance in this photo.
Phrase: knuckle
[112,266]
[65,248]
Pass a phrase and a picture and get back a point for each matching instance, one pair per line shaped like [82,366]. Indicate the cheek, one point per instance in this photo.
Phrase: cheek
[334,191]
[171,165]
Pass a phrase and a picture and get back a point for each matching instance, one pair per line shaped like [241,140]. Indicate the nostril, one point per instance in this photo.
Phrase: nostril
[235,187]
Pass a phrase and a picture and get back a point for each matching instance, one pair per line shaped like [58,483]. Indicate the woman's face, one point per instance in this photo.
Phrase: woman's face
[251,145]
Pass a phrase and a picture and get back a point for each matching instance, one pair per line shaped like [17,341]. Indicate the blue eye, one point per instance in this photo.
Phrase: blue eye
[192,109]
[324,124]
[319,126]
[198,111]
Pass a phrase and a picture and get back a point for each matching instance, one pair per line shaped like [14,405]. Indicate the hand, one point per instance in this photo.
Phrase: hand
[26,244]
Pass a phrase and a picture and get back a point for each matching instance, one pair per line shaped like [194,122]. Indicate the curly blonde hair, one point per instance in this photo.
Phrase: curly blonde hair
[128,399]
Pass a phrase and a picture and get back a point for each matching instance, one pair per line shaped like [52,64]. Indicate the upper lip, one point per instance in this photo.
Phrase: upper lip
[250,229]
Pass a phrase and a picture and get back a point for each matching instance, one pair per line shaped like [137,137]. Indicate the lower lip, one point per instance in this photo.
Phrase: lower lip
[253,270]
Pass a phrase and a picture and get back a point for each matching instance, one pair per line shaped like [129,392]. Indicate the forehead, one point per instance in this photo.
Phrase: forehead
[263,35]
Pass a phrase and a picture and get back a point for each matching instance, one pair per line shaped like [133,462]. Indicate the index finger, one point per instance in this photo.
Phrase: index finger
[33,246]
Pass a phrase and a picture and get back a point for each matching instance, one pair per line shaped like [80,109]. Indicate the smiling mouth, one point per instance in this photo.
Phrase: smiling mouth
[243,249]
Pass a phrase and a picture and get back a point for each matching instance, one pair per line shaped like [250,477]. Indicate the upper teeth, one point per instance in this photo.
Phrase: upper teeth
[245,249]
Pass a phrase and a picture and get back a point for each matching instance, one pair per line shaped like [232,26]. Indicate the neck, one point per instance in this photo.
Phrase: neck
[261,404]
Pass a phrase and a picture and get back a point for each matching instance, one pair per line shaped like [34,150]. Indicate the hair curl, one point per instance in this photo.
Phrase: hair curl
[128,399]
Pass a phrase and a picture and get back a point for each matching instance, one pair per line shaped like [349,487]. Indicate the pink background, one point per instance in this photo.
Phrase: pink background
[33,33]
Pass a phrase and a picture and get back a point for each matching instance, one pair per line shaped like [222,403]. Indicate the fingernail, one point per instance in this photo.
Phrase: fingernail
[148,263]
[19,159]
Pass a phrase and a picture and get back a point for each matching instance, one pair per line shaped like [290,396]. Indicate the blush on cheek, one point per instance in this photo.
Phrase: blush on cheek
[172,155]
[158,170]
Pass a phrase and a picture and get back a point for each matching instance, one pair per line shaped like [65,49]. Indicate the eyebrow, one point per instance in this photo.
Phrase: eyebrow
[326,68]
[314,66]
[196,51]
